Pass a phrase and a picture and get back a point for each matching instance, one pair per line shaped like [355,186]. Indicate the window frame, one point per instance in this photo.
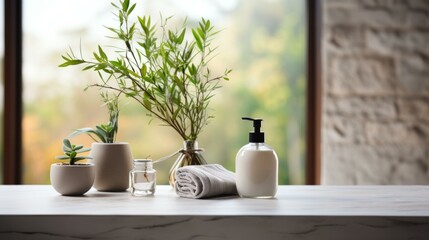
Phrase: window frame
[314,92]
[12,116]
[12,124]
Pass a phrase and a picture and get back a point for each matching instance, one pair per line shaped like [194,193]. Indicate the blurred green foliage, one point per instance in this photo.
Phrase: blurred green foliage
[263,41]
[269,83]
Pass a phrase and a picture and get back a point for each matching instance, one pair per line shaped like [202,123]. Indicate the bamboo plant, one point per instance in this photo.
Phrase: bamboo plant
[165,70]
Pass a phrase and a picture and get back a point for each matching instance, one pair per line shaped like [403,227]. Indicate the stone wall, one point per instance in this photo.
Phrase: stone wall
[376,92]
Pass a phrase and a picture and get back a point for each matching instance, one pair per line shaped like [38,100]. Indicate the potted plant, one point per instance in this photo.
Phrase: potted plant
[112,160]
[72,179]
[167,73]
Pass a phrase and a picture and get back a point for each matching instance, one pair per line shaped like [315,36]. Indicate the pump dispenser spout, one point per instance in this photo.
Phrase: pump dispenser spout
[256,136]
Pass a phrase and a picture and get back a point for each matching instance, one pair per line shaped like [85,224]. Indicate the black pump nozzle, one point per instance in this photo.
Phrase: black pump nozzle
[256,136]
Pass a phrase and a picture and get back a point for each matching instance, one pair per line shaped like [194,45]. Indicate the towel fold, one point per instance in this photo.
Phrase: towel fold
[204,181]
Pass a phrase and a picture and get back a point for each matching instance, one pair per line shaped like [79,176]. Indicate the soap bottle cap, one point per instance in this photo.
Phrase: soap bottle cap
[256,136]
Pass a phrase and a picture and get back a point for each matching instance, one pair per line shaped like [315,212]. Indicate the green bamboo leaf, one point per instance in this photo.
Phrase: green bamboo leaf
[101,66]
[181,36]
[162,51]
[170,62]
[131,31]
[72,62]
[116,64]
[87,67]
[145,25]
[193,80]
[148,21]
[147,104]
[148,79]
[121,18]
[201,33]
[202,24]
[194,68]
[102,53]
[131,9]
[171,36]
[143,70]
[134,74]
[113,30]
[65,58]
[98,58]
[125,5]
[207,25]
[189,53]
[197,40]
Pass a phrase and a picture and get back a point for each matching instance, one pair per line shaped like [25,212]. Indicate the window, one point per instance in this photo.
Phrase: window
[262,41]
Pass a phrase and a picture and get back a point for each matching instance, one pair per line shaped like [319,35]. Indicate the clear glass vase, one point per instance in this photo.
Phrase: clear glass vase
[142,178]
[189,155]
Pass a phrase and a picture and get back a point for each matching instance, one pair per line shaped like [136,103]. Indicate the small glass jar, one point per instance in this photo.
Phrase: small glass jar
[142,178]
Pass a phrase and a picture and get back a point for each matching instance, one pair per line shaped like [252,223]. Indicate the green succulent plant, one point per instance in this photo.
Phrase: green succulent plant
[71,151]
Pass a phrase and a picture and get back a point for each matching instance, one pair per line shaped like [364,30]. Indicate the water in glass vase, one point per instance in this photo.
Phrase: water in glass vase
[142,178]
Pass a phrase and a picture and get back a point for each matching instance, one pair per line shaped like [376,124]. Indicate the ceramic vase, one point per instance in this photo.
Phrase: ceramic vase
[72,180]
[113,162]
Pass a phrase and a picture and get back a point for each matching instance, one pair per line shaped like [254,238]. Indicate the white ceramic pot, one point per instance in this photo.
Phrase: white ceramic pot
[72,180]
[113,162]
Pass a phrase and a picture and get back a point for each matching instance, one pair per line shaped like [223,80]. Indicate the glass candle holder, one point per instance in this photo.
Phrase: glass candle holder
[142,178]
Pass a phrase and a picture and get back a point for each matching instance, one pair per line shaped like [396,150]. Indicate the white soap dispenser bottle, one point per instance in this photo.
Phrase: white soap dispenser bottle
[256,166]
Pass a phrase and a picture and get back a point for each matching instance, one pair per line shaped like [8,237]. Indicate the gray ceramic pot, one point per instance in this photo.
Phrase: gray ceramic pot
[72,180]
[113,162]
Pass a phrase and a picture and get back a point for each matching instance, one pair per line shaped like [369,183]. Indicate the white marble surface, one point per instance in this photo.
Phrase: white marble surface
[290,201]
[298,212]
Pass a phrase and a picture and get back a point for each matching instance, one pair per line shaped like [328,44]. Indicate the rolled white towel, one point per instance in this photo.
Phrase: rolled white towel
[204,181]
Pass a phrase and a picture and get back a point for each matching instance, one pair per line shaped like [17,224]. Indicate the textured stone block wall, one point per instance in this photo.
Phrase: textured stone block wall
[376,92]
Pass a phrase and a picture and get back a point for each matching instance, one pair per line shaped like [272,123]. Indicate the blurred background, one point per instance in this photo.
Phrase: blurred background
[375,108]
[262,41]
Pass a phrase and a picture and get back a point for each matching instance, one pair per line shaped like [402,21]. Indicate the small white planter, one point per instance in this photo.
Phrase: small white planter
[113,162]
[72,180]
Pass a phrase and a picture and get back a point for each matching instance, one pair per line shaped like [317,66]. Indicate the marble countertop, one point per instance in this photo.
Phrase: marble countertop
[395,201]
